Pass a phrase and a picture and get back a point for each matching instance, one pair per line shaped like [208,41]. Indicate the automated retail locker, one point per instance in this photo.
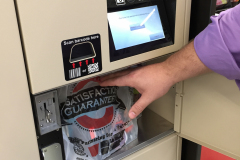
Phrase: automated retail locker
[49,45]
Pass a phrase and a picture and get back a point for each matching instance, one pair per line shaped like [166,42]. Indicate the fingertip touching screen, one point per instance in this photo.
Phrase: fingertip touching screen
[136,28]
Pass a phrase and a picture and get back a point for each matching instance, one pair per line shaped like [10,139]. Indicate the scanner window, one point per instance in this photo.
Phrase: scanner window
[82,51]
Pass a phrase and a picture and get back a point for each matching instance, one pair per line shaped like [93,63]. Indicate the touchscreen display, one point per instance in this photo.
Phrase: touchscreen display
[135,26]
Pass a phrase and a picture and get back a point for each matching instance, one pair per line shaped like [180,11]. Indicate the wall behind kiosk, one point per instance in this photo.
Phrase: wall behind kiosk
[44,29]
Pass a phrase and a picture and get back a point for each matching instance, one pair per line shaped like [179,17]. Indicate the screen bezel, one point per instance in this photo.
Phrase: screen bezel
[145,47]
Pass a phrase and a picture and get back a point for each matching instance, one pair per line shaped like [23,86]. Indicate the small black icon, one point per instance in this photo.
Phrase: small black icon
[120,2]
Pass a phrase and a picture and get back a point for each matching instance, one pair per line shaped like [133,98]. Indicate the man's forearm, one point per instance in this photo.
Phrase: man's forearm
[154,81]
[185,64]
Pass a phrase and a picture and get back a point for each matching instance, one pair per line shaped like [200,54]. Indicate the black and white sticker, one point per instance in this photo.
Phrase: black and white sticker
[81,56]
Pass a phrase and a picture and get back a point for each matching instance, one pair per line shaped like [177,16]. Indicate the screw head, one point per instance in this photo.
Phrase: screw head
[41,125]
[39,101]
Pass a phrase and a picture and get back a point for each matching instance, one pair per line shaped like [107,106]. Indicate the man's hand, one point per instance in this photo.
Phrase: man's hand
[151,81]
[155,80]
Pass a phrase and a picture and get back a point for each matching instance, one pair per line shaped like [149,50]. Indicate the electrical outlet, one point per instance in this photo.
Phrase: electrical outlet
[47,109]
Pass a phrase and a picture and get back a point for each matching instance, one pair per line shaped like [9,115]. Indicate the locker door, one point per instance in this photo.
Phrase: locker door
[210,113]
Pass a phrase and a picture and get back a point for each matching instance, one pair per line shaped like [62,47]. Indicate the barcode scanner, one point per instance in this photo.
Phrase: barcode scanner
[82,51]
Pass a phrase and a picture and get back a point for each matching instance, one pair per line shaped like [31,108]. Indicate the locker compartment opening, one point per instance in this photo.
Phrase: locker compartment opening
[151,128]
[155,123]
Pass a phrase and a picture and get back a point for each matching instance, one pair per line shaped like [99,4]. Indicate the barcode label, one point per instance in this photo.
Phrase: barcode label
[93,68]
[74,73]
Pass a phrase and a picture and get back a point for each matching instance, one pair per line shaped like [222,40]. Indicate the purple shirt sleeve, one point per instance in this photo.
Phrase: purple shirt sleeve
[218,46]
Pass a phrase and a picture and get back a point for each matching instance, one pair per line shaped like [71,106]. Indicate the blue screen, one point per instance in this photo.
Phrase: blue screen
[135,26]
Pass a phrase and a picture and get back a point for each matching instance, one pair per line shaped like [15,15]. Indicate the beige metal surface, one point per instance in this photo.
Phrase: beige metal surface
[17,132]
[179,85]
[211,113]
[179,148]
[169,106]
[164,149]
[178,106]
[164,106]
[45,24]
[187,21]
